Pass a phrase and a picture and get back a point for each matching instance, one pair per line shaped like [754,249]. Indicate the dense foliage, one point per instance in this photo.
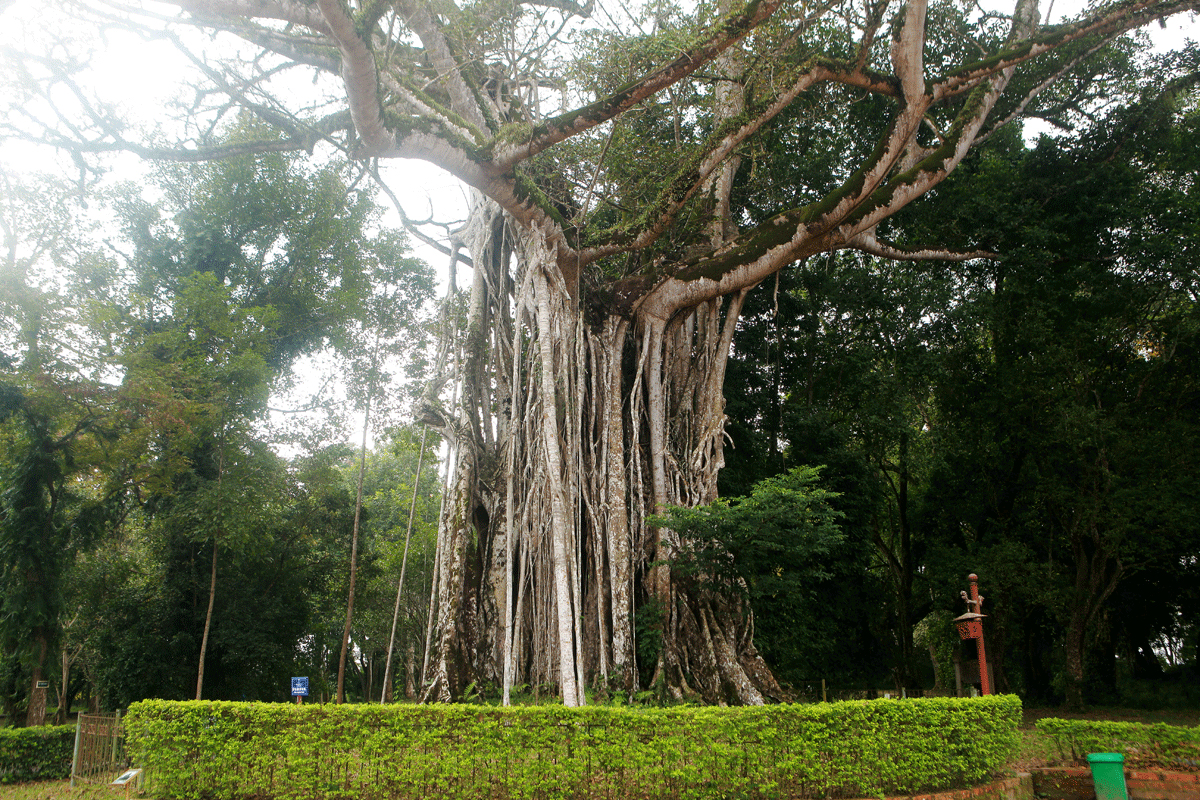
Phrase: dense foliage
[853,749]
[1033,418]
[155,517]
[1157,745]
[36,754]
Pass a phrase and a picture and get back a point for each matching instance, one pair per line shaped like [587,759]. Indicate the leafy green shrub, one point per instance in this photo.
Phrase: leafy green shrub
[36,754]
[1142,745]
[225,750]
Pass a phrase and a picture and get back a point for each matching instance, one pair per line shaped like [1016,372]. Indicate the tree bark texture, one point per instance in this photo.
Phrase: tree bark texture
[1097,574]
[35,714]
[600,429]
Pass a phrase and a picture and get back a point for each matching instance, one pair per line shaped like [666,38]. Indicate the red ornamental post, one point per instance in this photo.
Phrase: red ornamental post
[975,604]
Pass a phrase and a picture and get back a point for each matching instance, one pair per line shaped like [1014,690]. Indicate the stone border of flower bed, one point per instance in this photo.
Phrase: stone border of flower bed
[1075,783]
[1016,788]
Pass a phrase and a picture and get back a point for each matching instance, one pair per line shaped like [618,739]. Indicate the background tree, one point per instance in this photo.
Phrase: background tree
[849,388]
[1034,403]
[388,484]
[391,315]
[54,427]
[1061,418]
[138,420]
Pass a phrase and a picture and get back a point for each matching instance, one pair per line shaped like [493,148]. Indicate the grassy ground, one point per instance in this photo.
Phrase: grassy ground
[61,790]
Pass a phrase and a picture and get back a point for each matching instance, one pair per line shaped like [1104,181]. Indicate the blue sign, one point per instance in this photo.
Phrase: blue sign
[299,687]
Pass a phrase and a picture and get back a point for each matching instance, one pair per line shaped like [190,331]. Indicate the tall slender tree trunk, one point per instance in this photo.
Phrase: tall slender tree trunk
[1097,574]
[386,695]
[906,679]
[212,580]
[208,615]
[362,468]
[509,626]
[64,696]
[554,330]
[614,561]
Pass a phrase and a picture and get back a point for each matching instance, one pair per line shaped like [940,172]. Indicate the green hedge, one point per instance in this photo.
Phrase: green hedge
[36,754]
[1142,745]
[372,752]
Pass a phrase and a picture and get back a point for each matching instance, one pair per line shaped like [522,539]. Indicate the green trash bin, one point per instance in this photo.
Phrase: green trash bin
[1108,775]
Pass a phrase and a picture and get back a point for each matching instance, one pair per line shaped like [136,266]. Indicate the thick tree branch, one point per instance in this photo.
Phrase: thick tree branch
[689,179]
[463,100]
[314,51]
[1028,45]
[574,9]
[867,242]
[562,127]
[1063,71]
[873,20]
[849,75]
[908,52]
[298,13]
[359,73]
[858,205]
[421,106]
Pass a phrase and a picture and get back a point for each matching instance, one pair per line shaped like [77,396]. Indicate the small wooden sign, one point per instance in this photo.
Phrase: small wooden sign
[126,776]
[42,685]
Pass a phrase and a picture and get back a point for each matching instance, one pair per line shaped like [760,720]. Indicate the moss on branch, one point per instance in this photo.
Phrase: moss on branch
[448,114]
[403,125]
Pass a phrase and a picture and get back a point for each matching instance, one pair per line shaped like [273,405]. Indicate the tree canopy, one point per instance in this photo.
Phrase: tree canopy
[635,173]
[148,525]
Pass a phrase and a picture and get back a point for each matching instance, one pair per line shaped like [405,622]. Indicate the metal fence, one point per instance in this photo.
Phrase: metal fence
[99,748]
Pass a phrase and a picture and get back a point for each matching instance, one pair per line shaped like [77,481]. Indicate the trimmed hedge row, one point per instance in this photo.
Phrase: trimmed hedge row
[36,754]
[1157,745]
[371,752]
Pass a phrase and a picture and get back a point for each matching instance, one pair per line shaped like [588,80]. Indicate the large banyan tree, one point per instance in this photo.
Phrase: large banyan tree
[633,174]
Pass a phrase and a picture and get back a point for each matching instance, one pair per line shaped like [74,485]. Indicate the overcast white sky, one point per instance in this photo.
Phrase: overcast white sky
[141,77]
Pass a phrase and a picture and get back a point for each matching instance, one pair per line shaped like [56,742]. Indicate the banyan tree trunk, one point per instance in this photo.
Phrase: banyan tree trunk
[573,424]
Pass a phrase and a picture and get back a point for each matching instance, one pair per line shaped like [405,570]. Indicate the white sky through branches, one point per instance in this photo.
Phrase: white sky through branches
[145,81]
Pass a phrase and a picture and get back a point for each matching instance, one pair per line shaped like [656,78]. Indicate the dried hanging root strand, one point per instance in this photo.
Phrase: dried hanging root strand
[559,456]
